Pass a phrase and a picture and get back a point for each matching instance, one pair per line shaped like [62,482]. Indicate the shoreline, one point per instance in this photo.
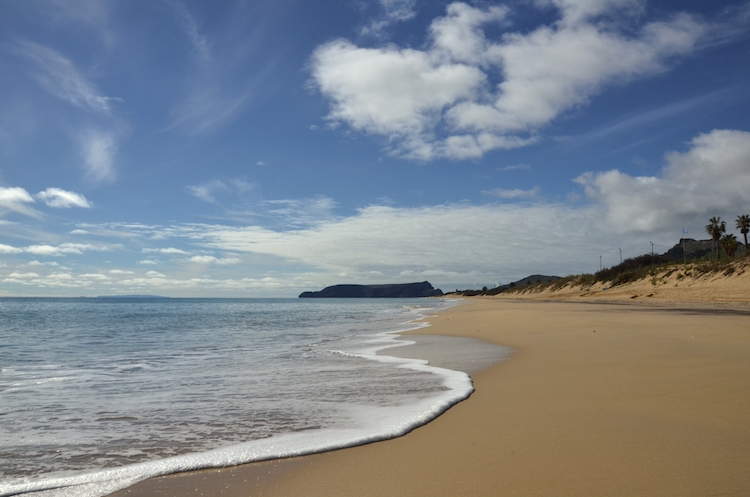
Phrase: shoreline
[438,350]
[598,400]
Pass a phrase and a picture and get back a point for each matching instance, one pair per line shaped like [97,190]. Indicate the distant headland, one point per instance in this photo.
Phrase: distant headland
[131,297]
[396,291]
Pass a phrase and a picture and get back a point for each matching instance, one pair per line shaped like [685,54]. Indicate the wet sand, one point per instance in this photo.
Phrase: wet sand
[598,399]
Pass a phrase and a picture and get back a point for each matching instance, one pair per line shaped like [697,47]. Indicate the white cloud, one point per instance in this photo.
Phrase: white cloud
[461,243]
[712,177]
[148,262]
[58,76]
[514,193]
[440,101]
[15,199]
[207,191]
[576,11]
[191,29]
[37,263]
[54,250]
[301,212]
[209,259]
[65,248]
[94,276]
[23,276]
[516,167]
[168,251]
[99,149]
[499,242]
[58,198]
[8,249]
[393,11]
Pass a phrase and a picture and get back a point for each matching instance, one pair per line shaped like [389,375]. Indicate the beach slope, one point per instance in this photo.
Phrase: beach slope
[599,399]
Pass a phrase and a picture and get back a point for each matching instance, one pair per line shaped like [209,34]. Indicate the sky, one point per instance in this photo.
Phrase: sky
[265,148]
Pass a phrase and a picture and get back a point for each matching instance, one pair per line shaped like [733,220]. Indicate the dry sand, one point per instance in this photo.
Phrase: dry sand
[599,399]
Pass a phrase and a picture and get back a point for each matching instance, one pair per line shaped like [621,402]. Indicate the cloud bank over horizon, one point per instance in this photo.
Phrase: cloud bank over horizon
[451,244]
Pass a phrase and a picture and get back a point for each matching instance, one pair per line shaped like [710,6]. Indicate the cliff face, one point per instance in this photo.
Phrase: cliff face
[401,291]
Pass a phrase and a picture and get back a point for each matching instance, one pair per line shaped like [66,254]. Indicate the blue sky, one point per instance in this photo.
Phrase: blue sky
[247,149]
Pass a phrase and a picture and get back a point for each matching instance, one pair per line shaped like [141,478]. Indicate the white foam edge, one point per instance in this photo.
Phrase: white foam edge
[383,423]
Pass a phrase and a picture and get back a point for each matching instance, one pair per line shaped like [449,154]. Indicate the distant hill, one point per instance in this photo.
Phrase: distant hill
[534,278]
[396,291]
[131,297]
[696,249]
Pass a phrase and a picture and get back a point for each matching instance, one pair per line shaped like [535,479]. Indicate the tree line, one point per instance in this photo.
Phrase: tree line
[728,242]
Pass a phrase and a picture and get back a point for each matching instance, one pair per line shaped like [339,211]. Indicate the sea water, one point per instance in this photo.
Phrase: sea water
[97,394]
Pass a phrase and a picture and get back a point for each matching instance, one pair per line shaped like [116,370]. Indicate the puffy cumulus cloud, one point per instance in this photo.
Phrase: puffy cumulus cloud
[442,102]
[58,198]
[8,249]
[712,177]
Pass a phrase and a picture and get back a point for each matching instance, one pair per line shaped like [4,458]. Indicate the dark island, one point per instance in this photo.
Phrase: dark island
[399,291]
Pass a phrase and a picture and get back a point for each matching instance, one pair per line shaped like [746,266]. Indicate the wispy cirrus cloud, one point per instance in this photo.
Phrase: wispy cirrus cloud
[222,82]
[99,149]
[58,76]
[513,193]
[515,167]
[392,11]
[191,28]
[410,96]
[207,191]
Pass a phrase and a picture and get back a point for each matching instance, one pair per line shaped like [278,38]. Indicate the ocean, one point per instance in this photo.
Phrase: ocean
[97,394]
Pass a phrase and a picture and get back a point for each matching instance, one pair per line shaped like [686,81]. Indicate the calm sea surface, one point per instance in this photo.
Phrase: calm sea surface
[96,394]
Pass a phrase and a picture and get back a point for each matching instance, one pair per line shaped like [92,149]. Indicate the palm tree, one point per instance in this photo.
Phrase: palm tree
[715,228]
[729,244]
[743,224]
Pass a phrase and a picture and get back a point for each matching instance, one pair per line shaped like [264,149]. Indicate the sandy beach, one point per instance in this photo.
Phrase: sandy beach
[598,399]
